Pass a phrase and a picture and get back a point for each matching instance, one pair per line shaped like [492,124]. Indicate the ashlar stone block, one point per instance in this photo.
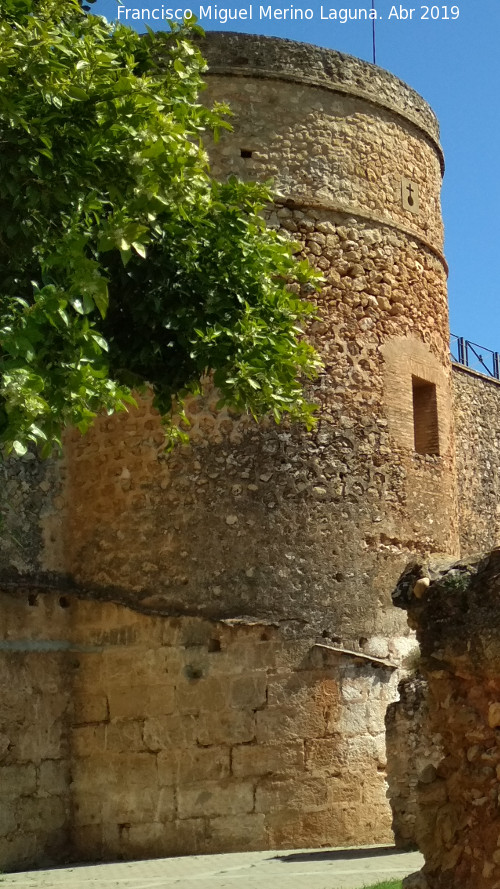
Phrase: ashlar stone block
[216,798]
[304,794]
[136,701]
[268,759]
[226,727]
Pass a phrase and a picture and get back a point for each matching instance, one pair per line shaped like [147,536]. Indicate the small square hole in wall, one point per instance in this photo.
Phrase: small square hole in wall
[245,152]
[425,417]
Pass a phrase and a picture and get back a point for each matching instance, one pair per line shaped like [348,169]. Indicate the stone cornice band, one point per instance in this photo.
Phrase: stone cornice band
[265,74]
[346,210]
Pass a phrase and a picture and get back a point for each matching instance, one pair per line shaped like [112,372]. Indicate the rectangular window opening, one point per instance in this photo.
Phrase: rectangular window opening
[425,417]
[245,152]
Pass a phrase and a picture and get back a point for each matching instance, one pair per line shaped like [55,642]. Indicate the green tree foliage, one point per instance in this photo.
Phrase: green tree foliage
[122,262]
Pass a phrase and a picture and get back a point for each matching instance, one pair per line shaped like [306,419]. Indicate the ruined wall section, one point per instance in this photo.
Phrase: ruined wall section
[455,611]
[413,752]
[477,423]
[128,736]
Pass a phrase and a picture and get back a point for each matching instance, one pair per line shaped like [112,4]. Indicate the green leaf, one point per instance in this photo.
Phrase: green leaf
[126,256]
[100,340]
[123,85]
[139,248]
[89,303]
[101,297]
[154,150]
[37,432]
[78,306]
[76,92]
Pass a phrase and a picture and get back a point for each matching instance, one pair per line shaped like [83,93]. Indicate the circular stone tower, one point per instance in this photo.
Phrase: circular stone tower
[243,707]
[309,530]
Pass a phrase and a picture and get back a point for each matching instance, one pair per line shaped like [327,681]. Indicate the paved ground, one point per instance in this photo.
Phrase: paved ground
[300,869]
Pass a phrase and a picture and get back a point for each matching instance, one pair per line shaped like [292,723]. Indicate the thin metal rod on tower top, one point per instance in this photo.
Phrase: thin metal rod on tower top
[373,35]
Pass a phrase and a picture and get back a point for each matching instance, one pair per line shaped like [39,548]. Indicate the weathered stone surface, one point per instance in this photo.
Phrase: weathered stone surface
[91,708]
[477,421]
[135,701]
[290,723]
[413,753]
[186,765]
[169,731]
[17,780]
[310,794]
[458,628]
[246,832]
[325,755]
[216,798]
[268,759]
[127,784]
[138,805]
[53,777]
[226,727]
[248,692]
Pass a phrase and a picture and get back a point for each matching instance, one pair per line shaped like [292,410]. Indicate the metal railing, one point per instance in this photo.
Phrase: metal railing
[476,357]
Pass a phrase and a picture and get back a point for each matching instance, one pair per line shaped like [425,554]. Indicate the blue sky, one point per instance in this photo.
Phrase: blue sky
[455,65]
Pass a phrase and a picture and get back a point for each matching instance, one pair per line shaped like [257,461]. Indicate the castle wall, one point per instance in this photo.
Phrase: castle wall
[413,752]
[477,430]
[34,766]
[258,524]
[330,130]
[127,735]
[308,529]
